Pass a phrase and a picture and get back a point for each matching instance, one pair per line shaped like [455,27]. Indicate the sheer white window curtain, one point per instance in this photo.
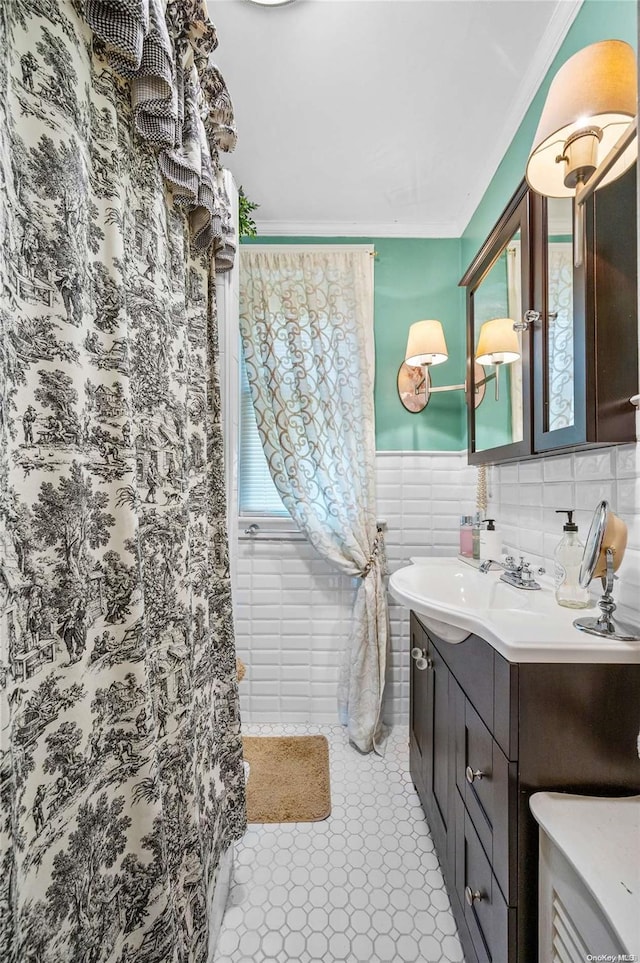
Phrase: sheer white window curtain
[306,319]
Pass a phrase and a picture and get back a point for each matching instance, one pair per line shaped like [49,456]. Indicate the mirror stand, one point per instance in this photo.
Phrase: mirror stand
[606,625]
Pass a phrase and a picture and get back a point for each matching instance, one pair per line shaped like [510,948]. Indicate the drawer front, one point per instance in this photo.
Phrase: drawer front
[486,781]
[490,921]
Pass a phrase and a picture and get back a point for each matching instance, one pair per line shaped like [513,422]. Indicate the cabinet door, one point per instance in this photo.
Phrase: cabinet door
[420,730]
[432,740]
[499,285]
[585,368]
[440,771]
[559,333]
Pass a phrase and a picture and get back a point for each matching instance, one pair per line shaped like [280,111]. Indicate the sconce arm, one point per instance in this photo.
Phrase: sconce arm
[462,387]
[584,191]
[485,380]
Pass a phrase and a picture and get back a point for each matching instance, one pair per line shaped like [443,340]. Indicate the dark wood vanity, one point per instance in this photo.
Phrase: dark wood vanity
[485,734]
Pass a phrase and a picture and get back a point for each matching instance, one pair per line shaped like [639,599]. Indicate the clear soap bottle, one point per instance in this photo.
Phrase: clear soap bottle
[475,535]
[568,559]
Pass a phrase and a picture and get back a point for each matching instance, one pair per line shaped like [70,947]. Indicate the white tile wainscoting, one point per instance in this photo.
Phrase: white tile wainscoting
[523,498]
[293,610]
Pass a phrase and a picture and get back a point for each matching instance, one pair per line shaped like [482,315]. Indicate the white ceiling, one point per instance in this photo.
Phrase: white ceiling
[379,117]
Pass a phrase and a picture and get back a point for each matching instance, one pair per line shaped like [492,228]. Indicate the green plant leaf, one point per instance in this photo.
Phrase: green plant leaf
[246,224]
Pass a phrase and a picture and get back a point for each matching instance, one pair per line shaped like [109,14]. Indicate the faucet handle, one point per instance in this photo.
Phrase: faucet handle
[525,571]
[510,563]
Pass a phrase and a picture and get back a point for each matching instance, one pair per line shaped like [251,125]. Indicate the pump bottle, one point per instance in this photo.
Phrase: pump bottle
[568,558]
[490,541]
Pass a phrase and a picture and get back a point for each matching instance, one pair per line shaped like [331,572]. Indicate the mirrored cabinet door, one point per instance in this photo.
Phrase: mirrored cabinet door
[585,342]
[558,333]
[498,293]
[565,379]
[498,414]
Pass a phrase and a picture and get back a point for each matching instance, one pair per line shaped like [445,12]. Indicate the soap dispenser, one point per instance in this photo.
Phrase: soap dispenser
[568,559]
[490,541]
[475,535]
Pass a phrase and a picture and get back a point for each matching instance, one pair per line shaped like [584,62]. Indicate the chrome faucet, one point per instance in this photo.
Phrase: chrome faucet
[509,564]
[520,576]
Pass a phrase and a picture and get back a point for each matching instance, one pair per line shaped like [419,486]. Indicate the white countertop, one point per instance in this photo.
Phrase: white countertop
[600,837]
[456,599]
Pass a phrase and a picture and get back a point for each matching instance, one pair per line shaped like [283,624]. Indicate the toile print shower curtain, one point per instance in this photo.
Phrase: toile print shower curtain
[120,766]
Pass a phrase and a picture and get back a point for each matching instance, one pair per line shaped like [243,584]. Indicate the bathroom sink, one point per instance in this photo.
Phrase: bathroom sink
[457,591]
[455,600]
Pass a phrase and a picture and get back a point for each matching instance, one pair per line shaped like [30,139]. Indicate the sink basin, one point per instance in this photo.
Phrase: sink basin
[455,590]
[455,600]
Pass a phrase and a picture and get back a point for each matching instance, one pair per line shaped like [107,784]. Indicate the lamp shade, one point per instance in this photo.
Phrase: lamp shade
[498,342]
[596,88]
[426,344]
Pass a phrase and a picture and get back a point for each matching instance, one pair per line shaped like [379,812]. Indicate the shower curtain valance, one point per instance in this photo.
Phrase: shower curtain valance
[181,105]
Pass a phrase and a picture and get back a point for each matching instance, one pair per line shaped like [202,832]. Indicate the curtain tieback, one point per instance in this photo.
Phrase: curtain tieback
[378,547]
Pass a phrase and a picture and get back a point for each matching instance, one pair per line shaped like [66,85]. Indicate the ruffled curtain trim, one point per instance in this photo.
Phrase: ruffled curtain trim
[181,104]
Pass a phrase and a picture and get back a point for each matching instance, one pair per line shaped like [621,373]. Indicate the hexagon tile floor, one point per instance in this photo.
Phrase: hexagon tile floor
[364,885]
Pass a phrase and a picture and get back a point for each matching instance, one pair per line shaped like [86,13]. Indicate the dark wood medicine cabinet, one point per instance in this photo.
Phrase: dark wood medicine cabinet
[578,366]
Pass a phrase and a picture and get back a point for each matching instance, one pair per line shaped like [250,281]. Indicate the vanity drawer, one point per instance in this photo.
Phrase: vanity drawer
[487,782]
[491,923]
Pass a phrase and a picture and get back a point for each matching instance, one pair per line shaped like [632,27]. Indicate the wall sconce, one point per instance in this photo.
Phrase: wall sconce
[426,347]
[497,345]
[586,137]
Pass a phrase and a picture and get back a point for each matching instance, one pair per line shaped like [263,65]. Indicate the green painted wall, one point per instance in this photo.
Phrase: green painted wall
[414,278]
[596,20]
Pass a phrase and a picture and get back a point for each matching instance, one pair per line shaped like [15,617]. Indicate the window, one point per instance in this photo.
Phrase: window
[257,495]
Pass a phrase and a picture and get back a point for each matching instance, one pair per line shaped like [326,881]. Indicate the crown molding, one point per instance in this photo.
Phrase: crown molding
[563,16]
[265,228]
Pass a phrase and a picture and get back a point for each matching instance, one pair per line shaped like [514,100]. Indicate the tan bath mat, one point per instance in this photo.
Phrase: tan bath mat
[288,779]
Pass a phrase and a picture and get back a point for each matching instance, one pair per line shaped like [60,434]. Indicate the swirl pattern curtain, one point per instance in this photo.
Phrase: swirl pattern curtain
[306,320]
[121,778]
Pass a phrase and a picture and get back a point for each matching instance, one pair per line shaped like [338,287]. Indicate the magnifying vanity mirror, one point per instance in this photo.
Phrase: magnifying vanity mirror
[603,554]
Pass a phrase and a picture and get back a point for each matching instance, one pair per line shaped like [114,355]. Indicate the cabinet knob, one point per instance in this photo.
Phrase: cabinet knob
[471,774]
[423,663]
[530,318]
[472,896]
[416,653]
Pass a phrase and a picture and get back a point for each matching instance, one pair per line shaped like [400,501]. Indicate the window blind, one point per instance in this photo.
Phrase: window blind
[257,493]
